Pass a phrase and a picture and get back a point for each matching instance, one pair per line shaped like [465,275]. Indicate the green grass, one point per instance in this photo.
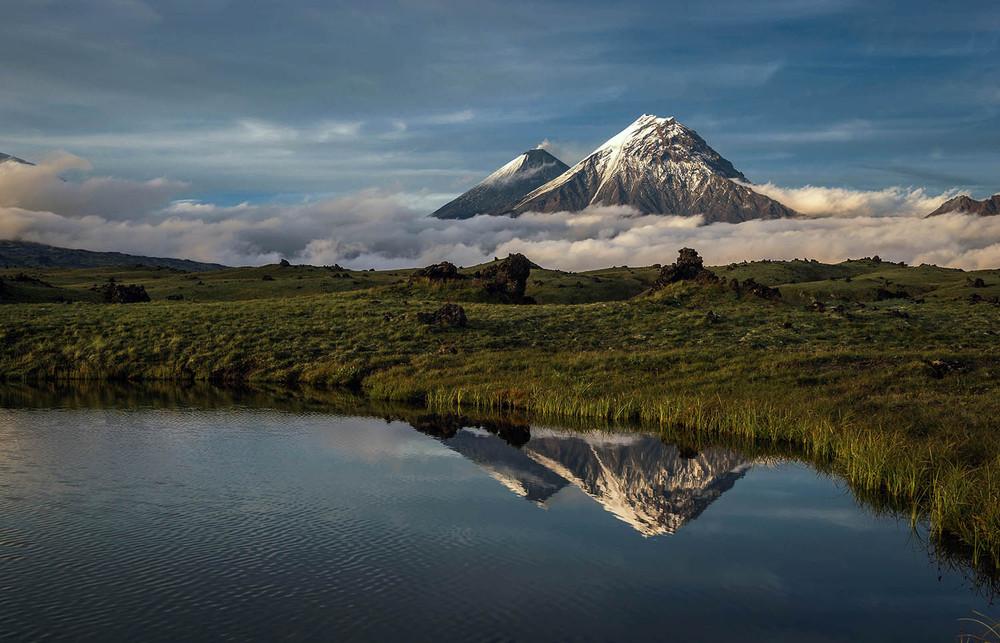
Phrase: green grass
[855,391]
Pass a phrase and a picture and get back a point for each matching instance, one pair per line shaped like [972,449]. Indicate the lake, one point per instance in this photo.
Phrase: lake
[209,519]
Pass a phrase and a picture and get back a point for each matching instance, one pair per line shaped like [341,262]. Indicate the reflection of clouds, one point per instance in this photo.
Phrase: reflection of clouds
[372,440]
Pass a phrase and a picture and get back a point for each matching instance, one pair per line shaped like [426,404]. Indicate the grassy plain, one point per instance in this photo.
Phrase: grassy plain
[898,394]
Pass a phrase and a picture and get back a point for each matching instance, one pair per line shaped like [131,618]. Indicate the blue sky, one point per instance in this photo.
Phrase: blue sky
[281,101]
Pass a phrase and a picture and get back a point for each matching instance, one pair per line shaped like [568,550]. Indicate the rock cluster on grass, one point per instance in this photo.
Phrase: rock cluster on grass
[508,279]
[437,273]
[749,286]
[4,293]
[688,267]
[448,315]
[115,293]
[938,368]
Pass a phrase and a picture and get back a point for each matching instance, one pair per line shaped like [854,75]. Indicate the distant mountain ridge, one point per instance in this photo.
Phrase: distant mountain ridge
[501,191]
[985,208]
[26,254]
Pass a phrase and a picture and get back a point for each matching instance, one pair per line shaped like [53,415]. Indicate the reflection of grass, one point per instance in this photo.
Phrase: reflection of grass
[853,390]
[989,628]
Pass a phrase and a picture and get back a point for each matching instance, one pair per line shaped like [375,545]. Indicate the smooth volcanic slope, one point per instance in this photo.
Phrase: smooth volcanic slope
[985,208]
[501,191]
[657,166]
[7,157]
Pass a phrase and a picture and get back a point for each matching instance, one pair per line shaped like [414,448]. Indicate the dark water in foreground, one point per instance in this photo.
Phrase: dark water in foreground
[241,523]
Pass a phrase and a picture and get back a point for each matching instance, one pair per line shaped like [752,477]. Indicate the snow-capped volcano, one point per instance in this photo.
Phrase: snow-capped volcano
[658,166]
[501,191]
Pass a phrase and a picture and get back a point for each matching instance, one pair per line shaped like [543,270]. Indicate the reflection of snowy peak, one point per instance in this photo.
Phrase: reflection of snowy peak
[644,482]
[500,192]
[640,480]
[657,166]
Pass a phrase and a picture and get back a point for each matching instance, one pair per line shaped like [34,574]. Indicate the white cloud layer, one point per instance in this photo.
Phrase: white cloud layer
[377,229]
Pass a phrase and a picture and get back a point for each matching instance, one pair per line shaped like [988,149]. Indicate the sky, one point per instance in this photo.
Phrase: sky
[280,122]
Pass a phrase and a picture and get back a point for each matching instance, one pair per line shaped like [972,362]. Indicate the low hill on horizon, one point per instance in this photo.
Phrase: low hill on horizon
[28,254]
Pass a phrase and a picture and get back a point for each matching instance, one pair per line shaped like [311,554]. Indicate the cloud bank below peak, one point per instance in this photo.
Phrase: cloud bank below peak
[380,229]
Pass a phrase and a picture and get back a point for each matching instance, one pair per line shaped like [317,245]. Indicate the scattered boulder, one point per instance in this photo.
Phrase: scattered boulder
[267,278]
[688,267]
[284,264]
[175,297]
[978,283]
[882,294]
[439,272]
[448,315]
[816,307]
[115,293]
[938,368]
[508,279]
[712,318]
[751,287]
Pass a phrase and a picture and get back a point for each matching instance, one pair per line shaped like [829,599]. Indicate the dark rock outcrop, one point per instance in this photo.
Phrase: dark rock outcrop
[125,294]
[508,279]
[751,287]
[448,315]
[439,272]
[688,267]
[882,294]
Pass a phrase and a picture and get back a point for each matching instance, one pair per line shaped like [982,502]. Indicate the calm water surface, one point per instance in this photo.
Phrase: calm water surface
[240,523]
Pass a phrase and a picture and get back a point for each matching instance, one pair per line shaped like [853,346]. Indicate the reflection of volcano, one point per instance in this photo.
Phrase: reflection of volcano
[638,478]
[650,485]
[509,465]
